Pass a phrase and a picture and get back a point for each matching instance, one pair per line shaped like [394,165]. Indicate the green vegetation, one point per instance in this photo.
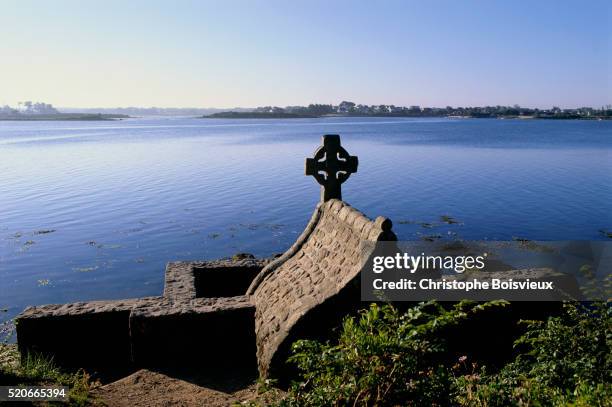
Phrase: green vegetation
[448,220]
[385,357]
[565,360]
[39,371]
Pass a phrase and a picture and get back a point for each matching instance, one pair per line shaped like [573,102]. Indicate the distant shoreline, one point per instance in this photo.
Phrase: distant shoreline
[258,115]
[63,117]
[268,115]
[283,115]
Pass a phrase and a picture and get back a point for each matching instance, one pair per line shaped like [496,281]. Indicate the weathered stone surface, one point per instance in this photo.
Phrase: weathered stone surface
[325,259]
[179,280]
[118,333]
[212,333]
[217,278]
[83,308]
[80,334]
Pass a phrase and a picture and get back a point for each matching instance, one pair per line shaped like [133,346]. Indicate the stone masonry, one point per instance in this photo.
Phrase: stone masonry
[181,328]
[324,260]
[209,316]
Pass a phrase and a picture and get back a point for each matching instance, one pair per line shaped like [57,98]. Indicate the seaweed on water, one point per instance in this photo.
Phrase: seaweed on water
[131,230]
[256,226]
[449,220]
[431,238]
[528,244]
[85,269]
[44,231]
[97,245]
[606,233]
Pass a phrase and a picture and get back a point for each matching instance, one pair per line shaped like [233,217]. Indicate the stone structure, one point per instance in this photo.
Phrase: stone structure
[225,314]
[241,315]
[197,321]
[331,166]
[324,261]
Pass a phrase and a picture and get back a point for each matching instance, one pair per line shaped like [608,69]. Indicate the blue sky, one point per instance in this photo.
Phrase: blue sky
[252,53]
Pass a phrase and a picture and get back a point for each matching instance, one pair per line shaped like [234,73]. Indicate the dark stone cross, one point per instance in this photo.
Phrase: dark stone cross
[331,166]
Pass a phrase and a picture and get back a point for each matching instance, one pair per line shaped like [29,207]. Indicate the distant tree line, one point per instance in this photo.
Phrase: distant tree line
[28,108]
[346,108]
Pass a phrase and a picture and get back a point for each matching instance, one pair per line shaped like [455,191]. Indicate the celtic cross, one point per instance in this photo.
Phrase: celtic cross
[331,166]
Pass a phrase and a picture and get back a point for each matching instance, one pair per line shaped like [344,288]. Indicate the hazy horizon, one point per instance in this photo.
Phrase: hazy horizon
[333,103]
[75,109]
[244,53]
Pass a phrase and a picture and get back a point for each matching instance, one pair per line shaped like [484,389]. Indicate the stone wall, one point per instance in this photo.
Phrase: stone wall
[180,328]
[326,258]
[214,334]
[80,334]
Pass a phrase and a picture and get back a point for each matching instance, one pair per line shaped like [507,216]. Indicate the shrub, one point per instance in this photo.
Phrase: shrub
[564,360]
[383,358]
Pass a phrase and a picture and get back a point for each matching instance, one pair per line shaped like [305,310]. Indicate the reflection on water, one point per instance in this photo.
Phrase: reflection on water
[94,210]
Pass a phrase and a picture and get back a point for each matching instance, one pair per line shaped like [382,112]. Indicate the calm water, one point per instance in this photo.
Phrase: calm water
[124,198]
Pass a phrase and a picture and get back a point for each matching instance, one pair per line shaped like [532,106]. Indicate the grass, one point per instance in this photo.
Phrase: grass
[37,370]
